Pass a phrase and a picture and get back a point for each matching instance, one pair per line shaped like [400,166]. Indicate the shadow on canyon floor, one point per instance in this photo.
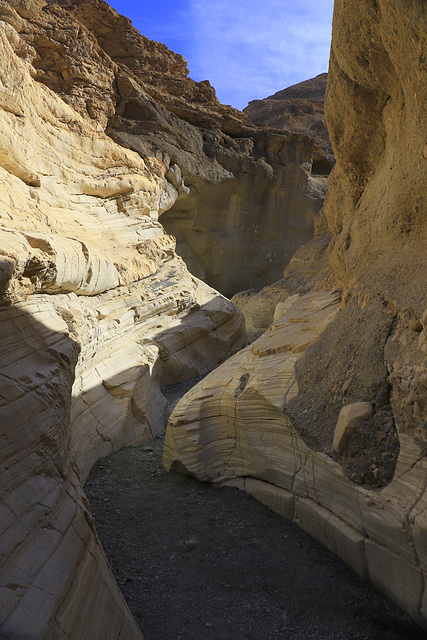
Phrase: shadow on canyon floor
[196,561]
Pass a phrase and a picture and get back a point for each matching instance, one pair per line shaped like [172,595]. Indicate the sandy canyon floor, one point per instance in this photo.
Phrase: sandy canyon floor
[196,562]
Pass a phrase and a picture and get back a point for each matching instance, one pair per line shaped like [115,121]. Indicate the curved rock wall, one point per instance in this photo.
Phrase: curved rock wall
[237,427]
[241,233]
[97,313]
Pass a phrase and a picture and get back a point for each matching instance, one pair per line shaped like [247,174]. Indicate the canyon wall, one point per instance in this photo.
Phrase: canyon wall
[323,417]
[97,314]
[247,195]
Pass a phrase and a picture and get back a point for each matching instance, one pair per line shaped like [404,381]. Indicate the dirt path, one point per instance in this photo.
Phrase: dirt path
[198,562]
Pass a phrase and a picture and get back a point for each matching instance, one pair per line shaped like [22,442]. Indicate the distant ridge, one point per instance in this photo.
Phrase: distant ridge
[299,108]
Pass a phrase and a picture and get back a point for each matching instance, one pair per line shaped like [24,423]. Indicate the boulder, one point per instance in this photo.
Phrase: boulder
[350,418]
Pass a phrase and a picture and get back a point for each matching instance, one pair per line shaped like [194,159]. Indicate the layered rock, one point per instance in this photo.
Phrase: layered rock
[97,312]
[247,196]
[300,108]
[267,420]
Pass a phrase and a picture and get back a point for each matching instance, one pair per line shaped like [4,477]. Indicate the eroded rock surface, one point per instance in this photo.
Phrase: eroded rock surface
[378,122]
[235,427]
[97,312]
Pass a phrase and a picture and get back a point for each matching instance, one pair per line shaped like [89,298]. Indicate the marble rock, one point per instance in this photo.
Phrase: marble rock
[253,422]
[97,313]
[247,195]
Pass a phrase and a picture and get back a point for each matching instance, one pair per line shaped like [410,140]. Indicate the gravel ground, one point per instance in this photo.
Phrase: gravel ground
[198,562]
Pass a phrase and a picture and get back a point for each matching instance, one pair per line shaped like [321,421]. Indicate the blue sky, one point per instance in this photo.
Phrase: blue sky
[247,49]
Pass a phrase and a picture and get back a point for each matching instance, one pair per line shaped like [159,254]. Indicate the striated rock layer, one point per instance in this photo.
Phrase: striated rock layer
[323,417]
[236,427]
[96,314]
[247,195]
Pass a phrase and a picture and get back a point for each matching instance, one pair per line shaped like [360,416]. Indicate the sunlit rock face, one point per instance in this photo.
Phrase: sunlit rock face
[267,419]
[97,312]
[377,121]
[247,196]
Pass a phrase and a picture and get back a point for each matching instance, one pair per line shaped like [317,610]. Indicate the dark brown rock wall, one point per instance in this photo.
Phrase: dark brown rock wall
[300,108]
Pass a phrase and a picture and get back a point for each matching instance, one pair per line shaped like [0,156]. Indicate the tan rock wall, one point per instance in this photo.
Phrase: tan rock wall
[247,196]
[96,313]
[275,438]
[55,580]
[241,233]
[377,122]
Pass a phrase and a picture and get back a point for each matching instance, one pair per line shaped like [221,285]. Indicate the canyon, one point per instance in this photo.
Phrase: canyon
[107,151]
[322,417]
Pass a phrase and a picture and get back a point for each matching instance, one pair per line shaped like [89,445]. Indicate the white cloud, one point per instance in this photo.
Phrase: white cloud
[249,49]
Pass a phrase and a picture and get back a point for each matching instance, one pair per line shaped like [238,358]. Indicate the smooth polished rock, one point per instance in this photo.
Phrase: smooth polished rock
[97,312]
[247,195]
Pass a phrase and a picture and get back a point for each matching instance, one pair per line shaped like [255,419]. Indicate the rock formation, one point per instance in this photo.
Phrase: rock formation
[97,312]
[247,196]
[101,131]
[266,420]
[300,108]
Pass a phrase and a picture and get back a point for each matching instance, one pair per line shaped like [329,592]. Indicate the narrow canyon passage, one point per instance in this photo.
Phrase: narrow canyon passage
[196,561]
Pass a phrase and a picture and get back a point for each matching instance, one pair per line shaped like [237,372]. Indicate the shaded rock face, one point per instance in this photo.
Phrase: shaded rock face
[281,399]
[308,269]
[300,108]
[241,233]
[247,196]
[97,312]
